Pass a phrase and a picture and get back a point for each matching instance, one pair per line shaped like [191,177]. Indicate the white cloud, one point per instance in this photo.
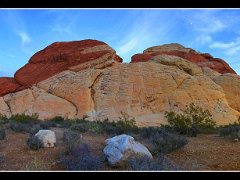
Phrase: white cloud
[125,48]
[25,38]
[230,48]
[204,39]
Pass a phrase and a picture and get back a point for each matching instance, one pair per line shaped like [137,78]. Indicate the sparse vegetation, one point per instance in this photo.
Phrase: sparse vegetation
[191,121]
[22,118]
[2,134]
[146,164]
[81,159]
[162,140]
[37,165]
[71,139]
[34,143]
[231,130]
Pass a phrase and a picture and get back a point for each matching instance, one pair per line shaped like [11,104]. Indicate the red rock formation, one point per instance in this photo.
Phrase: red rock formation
[201,59]
[61,56]
[8,85]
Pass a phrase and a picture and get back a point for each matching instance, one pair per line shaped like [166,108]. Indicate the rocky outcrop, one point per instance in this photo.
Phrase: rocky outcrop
[119,148]
[101,86]
[201,59]
[36,101]
[47,138]
[231,86]
[61,56]
[8,85]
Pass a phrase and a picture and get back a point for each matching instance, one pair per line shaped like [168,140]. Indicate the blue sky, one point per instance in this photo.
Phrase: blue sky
[23,32]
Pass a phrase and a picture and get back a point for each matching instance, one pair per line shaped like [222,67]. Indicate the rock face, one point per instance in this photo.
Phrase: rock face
[202,60]
[61,56]
[8,85]
[101,86]
[120,148]
[47,138]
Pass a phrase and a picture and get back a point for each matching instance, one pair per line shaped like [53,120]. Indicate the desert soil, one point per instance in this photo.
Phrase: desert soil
[205,152]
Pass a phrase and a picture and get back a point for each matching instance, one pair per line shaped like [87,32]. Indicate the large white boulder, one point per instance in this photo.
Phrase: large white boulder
[47,137]
[120,148]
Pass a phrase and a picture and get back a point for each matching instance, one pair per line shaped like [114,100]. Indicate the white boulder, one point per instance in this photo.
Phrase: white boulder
[120,148]
[47,137]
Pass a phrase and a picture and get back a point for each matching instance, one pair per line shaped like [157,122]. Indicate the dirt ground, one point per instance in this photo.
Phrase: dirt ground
[205,152]
[208,152]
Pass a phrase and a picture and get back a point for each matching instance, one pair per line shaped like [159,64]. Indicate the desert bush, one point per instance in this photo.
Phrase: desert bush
[22,118]
[145,163]
[57,119]
[2,158]
[162,140]
[2,134]
[191,121]
[3,119]
[34,143]
[71,139]
[19,127]
[81,159]
[231,130]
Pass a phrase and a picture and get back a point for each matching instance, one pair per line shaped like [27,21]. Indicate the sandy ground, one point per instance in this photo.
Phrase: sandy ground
[206,152]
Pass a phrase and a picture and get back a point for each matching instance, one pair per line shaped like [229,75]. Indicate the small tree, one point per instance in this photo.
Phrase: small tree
[191,121]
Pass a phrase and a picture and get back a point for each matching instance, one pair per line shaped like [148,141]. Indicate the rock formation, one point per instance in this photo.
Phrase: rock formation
[72,79]
[201,59]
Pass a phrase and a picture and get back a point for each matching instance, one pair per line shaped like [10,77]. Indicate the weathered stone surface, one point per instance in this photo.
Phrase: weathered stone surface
[4,109]
[36,101]
[122,147]
[144,90]
[59,57]
[8,85]
[201,59]
[231,86]
[47,137]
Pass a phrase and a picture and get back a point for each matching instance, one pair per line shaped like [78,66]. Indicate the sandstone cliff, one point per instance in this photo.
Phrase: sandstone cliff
[72,79]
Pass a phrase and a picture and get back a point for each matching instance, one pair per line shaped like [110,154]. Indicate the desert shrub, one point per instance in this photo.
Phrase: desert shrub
[231,130]
[57,119]
[191,121]
[2,158]
[3,119]
[34,143]
[2,134]
[71,139]
[48,124]
[19,127]
[22,118]
[81,159]
[162,140]
[126,122]
[145,163]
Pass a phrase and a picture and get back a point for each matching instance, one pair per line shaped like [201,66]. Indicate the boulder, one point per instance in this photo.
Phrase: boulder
[59,57]
[47,137]
[120,148]
[174,49]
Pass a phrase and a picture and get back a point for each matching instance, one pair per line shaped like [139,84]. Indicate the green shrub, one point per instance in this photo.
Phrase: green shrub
[34,143]
[71,139]
[2,134]
[231,130]
[126,122]
[144,163]
[81,159]
[19,127]
[57,119]
[191,121]
[22,118]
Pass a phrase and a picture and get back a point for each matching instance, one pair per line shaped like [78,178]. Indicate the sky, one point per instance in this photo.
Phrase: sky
[23,32]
